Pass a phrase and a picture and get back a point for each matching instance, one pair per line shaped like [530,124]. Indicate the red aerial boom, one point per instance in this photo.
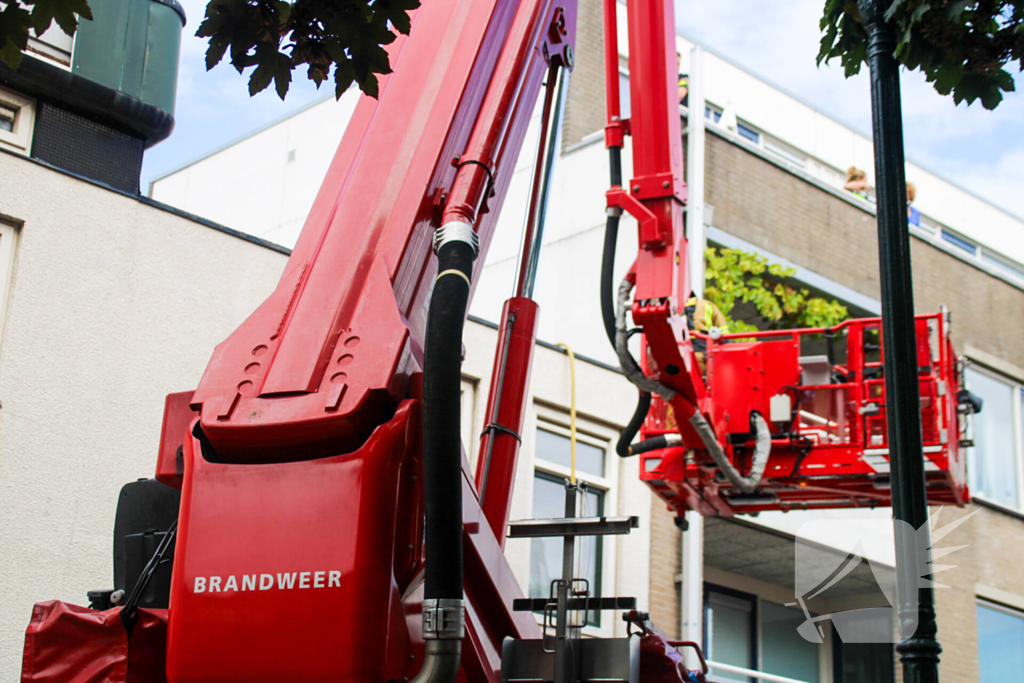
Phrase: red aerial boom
[328,526]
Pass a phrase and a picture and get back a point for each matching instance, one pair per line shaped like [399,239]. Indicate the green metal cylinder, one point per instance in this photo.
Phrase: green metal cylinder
[132,46]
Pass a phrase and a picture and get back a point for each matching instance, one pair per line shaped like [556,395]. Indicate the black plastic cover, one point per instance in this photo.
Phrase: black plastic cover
[146,509]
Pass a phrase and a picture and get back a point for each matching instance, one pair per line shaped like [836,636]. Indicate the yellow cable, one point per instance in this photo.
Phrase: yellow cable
[572,410]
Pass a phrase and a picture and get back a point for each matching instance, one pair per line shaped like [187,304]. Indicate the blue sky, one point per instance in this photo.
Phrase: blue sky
[982,151]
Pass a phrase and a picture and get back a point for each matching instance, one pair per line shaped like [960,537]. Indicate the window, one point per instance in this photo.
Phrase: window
[53,44]
[553,460]
[753,633]
[1002,266]
[8,114]
[993,465]
[960,242]
[739,626]
[785,652]
[17,117]
[749,133]
[790,154]
[729,635]
[713,113]
[1000,644]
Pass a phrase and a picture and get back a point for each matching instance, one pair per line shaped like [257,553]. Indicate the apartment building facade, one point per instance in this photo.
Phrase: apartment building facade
[772,175]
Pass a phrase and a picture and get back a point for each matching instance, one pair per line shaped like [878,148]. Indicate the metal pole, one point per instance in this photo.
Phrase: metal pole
[695,232]
[691,593]
[543,173]
[919,649]
[566,653]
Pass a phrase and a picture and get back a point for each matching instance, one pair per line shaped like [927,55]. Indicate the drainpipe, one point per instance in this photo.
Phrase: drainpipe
[691,593]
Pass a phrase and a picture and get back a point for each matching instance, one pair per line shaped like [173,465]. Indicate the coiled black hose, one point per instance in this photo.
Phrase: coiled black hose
[611,236]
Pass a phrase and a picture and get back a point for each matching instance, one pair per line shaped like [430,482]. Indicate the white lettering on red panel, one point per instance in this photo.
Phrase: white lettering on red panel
[265,582]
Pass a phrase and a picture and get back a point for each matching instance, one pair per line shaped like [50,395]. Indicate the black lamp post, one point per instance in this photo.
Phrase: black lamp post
[919,649]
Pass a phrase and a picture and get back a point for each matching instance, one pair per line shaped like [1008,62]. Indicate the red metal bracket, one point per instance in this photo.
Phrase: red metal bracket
[558,29]
[656,186]
[650,236]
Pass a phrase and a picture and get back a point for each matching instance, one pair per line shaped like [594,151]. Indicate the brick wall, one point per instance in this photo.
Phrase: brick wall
[993,556]
[665,564]
[584,106]
[776,210]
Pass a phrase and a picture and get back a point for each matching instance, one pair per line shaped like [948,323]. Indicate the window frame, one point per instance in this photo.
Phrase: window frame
[738,586]
[556,420]
[19,139]
[980,601]
[1017,411]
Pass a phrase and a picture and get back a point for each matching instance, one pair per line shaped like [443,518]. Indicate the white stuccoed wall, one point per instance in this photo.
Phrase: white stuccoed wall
[114,304]
[287,160]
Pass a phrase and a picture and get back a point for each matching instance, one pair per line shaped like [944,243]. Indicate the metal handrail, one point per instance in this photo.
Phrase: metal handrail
[770,678]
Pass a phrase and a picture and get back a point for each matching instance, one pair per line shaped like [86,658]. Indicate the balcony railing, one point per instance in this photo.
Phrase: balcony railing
[763,677]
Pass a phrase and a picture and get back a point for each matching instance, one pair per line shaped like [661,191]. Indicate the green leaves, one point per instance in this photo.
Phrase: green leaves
[276,37]
[45,12]
[734,277]
[18,17]
[961,46]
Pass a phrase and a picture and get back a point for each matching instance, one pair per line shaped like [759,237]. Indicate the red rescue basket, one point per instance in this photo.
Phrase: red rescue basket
[822,392]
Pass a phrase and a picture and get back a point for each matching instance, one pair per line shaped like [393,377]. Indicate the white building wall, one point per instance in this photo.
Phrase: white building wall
[114,304]
[287,160]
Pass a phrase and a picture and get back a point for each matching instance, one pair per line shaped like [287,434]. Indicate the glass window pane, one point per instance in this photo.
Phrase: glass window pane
[558,449]
[784,651]
[992,468]
[728,620]
[748,133]
[1000,646]
[546,553]
[959,241]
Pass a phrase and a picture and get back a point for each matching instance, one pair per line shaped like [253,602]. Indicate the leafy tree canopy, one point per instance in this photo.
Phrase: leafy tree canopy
[272,37]
[733,277]
[961,46]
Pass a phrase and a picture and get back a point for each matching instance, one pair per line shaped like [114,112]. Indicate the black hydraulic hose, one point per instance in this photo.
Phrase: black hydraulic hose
[611,236]
[643,406]
[655,443]
[442,435]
